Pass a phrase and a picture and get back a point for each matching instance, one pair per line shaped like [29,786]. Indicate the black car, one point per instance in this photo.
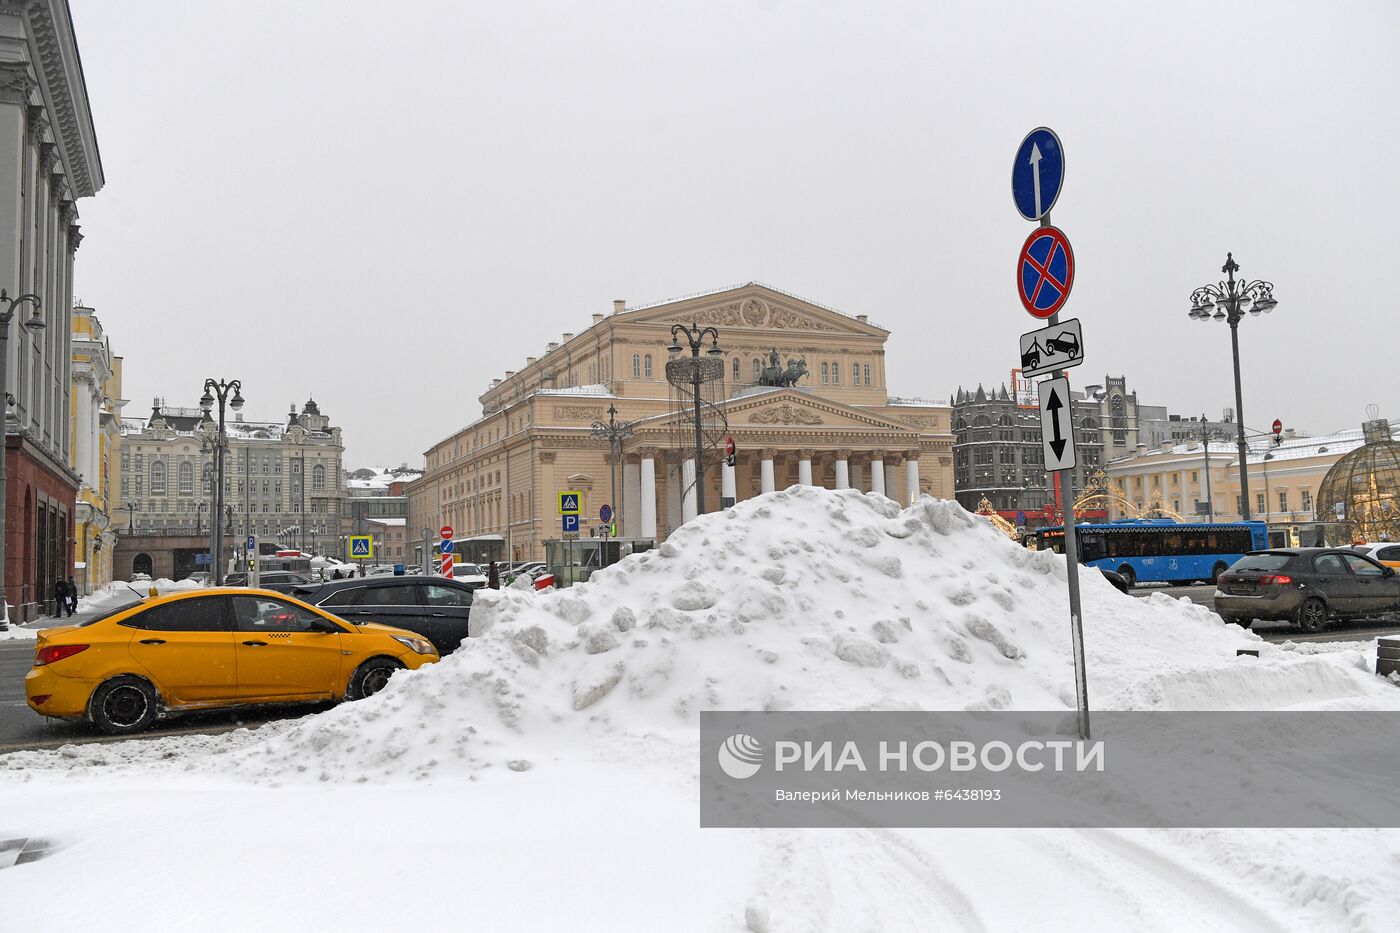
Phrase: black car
[281,581]
[435,607]
[1065,343]
[1306,586]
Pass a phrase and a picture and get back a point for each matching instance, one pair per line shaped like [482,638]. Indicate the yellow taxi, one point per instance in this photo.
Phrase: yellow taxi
[211,648]
[1386,552]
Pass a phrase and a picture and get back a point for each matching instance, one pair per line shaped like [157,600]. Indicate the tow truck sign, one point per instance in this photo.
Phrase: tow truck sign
[1058,346]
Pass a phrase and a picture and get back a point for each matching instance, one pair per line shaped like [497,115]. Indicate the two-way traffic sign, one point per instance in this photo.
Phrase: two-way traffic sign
[1057,425]
[1058,346]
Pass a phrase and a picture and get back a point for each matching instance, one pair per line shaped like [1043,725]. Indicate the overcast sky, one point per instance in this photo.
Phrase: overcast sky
[385,205]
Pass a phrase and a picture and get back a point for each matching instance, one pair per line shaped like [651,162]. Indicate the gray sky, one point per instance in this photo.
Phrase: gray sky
[387,205]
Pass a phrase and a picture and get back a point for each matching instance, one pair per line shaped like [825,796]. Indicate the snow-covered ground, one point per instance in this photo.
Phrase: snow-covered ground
[544,776]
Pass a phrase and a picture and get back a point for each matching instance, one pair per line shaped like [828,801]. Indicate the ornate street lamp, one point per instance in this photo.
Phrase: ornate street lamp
[33,323]
[614,432]
[1229,301]
[219,391]
[695,372]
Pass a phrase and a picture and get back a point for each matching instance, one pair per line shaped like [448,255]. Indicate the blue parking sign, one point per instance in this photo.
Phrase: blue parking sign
[570,523]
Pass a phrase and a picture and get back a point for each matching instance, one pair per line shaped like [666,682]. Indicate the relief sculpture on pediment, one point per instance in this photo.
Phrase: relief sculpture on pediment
[785,414]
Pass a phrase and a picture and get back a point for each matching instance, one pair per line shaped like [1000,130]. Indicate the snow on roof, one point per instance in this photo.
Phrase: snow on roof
[1295,448]
[392,522]
[593,391]
[913,402]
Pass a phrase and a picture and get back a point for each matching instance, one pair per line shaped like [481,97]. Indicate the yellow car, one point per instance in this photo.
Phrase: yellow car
[207,649]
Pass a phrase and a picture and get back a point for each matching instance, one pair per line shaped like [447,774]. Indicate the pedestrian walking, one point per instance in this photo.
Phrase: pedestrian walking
[72,596]
[60,597]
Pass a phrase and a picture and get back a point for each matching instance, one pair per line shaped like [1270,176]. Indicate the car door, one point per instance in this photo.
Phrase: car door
[1376,591]
[393,602]
[187,648]
[449,607]
[284,650]
[1336,584]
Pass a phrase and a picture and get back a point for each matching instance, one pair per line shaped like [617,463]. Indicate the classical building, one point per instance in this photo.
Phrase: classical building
[48,160]
[282,481]
[495,482]
[96,447]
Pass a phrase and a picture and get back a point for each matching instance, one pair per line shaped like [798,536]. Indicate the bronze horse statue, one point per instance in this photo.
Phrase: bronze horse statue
[774,375]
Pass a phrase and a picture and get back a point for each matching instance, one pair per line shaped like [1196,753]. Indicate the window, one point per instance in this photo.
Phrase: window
[1259,505]
[646,365]
[826,373]
[1329,563]
[1283,500]
[836,374]
[867,374]
[1363,567]
[186,474]
[158,478]
[736,368]
[636,366]
[197,614]
[1239,507]
[262,614]
[318,477]
[402,594]
[1193,477]
[1307,499]
[447,596]
[757,370]
[295,466]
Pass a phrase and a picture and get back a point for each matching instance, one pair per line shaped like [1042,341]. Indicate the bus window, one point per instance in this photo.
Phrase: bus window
[1091,547]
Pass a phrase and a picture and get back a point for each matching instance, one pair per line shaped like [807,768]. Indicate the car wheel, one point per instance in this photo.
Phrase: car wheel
[1312,615]
[371,677]
[1128,576]
[1215,573]
[124,705]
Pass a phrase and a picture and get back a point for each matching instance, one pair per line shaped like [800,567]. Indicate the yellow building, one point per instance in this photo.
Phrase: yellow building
[95,445]
[496,480]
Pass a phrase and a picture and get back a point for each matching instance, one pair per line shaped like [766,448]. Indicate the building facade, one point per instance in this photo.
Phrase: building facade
[95,422]
[497,479]
[282,481]
[48,161]
[373,495]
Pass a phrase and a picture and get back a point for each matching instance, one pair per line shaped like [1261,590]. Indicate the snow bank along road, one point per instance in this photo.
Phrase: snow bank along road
[548,769]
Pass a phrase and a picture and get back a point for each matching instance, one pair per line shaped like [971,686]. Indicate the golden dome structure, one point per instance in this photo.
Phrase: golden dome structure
[1362,490]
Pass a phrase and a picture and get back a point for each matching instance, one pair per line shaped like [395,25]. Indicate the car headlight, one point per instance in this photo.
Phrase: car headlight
[420,645]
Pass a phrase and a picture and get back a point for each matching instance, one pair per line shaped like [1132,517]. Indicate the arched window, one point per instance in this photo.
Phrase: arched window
[1005,421]
[636,366]
[186,478]
[318,477]
[826,373]
[757,370]
[867,374]
[736,369]
[158,478]
[646,365]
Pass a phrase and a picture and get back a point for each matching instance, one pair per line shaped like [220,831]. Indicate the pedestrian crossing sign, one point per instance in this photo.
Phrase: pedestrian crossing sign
[361,546]
[569,501]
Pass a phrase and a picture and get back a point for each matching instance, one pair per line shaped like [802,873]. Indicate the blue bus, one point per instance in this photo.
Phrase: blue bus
[1159,550]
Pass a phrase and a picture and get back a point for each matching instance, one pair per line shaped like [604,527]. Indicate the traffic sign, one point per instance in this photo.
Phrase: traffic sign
[1037,173]
[568,502]
[605,514]
[1020,518]
[447,547]
[1278,427]
[1058,346]
[361,546]
[446,532]
[252,543]
[1045,271]
[1056,425]
[729,451]
[570,522]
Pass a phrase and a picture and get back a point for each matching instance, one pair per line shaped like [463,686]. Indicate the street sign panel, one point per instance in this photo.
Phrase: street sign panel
[570,522]
[1058,346]
[445,531]
[1020,518]
[447,547]
[252,543]
[1045,271]
[1056,427]
[1038,173]
[605,514]
[568,502]
[361,546]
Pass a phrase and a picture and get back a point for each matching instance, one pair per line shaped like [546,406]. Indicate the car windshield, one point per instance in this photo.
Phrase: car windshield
[1262,562]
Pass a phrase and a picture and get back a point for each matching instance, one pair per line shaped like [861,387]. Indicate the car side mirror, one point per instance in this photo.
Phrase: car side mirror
[1389,571]
[323,627]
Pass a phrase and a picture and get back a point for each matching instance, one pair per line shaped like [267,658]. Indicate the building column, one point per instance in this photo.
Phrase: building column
[877,471]
[843,472]
[911,475]
[688,510]
[648,494]
[631,525]
[727,495]
[804,467]
[765,471]
[891,462]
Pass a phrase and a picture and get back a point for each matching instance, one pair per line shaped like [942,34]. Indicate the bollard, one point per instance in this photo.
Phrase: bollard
[1387,656]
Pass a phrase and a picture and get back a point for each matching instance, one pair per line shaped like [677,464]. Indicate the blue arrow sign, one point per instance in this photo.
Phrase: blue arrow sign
[1037,173]
[447,546]
[570,523]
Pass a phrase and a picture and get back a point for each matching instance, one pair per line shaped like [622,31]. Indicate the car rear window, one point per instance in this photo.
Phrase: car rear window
[1262,562]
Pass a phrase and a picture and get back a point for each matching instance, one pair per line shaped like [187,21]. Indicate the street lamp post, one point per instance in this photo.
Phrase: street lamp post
[614,432]
[695,336]
[1230,300]
[219,391]
[33,323]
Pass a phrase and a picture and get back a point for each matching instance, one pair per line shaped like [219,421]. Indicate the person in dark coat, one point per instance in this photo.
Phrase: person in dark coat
[493,577]
[60,597]
[72,596]
[335,574]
